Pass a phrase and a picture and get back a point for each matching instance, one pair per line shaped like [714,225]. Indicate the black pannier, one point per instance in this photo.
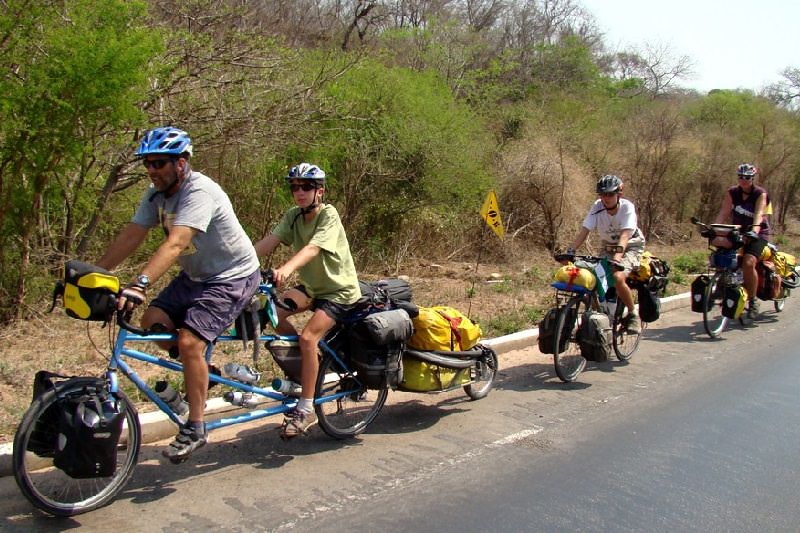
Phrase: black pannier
[89,427]
[375,345]
[43,438]
[389,294]
[698,288]
[649,304]
[547,329]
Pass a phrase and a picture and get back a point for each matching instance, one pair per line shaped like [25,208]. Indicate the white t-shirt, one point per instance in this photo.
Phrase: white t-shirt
[609,227]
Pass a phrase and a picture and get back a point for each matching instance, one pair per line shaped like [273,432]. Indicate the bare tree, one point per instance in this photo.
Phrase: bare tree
[787,91]
[655,65]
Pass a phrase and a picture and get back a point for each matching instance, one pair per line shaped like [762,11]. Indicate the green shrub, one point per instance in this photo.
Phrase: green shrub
[512,322]
[692,263]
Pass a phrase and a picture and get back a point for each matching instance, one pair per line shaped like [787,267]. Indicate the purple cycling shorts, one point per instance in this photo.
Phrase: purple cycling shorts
[207,308]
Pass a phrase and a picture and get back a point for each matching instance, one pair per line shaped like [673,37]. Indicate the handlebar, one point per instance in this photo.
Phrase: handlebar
[615,265]
[267,287]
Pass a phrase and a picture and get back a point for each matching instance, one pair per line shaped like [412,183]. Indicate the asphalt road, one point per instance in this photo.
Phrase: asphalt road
[692,435]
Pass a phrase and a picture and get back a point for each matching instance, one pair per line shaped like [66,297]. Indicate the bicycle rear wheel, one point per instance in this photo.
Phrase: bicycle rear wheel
[714,321]
[354,409]
[51,489]
[566,351]
[625,342]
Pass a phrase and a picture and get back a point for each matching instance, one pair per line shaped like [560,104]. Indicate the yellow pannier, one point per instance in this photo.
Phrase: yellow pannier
[443,328]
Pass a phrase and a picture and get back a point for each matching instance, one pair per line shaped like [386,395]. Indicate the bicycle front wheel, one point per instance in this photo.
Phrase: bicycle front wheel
[485,371]
[714,321]
[566,351]
[51,489]
[354,406]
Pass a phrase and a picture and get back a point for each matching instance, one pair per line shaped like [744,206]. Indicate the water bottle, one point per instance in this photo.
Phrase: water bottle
[287,387]
[242,399]
[242,373]
[171,397]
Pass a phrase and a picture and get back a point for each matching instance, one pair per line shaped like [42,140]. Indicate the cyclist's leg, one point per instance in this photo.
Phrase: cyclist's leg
[630,261]
[753,249]
[214,307]
[299,301]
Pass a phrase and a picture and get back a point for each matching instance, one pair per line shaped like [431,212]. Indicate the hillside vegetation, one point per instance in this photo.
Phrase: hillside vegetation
[415,109]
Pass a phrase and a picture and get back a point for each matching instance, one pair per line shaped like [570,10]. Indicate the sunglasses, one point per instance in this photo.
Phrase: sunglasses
[746,178]
[302,186]
[157,164]
[608,194]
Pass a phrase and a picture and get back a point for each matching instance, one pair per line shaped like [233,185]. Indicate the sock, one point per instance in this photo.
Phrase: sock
[197,427]
[305,405]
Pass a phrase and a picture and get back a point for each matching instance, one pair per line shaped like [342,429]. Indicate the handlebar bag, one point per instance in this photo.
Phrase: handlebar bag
[573,275]
[88,291]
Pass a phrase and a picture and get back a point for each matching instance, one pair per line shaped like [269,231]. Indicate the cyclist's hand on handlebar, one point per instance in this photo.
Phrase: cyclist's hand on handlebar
[566,257]
[279,276]
[130,297]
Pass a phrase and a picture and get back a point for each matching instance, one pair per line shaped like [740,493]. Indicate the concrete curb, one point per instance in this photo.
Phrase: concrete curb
[156,426]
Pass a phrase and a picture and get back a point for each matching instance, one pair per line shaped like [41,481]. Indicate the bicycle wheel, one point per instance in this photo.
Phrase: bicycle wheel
[350,414]
[625,342]
[714,321]
[485,371]
[51,489]
[566,351]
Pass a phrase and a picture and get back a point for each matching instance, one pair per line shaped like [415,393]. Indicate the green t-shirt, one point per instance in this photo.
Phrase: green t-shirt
[331,275]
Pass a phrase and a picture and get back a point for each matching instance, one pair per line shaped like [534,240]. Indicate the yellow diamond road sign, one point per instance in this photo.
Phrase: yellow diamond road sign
[491,214]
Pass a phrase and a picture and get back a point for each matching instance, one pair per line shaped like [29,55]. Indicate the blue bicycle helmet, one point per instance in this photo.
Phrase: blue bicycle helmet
[306,171]
[167,141]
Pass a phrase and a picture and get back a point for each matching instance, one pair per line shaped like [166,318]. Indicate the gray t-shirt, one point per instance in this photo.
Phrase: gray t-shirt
[220,249]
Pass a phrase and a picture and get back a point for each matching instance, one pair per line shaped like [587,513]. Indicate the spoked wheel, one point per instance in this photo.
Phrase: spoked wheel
[485,370]
[566,351]
[625,342]
[714,321]
[346,407]
[51,489]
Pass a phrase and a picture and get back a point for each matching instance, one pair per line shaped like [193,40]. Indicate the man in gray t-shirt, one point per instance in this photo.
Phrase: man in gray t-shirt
[220,270]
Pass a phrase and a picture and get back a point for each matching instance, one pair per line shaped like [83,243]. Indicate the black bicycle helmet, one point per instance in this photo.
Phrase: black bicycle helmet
[608,184]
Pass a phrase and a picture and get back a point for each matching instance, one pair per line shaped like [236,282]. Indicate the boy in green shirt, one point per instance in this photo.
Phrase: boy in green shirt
[329,285]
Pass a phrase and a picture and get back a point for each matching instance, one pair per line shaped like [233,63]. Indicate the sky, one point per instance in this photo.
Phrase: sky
[734,44]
